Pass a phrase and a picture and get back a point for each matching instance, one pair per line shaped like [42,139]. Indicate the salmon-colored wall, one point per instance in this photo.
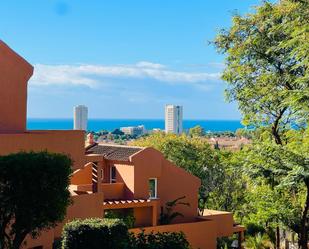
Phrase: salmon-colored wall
[46,239]
[82,176]
[125,174]
[224,221]
[66,142]
[173,182]
[143,216]
[176,182]
[84,206]
[147,164]
[201,235]
[14,75]
[113,190]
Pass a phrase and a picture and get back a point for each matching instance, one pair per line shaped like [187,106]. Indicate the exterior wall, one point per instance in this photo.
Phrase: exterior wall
[176,182]
[46,239]
[143,216]
[14,75]
[67,142]
[113,190]
[125,174]
[82,176]
[150,163]
[84,206]
[201,235]
[147,164]
[224,222]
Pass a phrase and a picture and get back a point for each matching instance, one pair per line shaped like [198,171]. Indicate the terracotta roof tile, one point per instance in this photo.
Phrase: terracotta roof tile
[113,152]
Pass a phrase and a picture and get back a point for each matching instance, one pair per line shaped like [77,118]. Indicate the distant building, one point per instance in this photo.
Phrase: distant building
[80,117]
[134,130]
[156,130]
[173,119]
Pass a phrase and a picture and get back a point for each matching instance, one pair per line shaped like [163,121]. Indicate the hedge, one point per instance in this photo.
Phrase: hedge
[165,240]
[113,234]
[95,234]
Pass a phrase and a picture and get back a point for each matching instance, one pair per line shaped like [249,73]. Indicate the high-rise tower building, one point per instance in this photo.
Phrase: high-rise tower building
[80,117]
[173,119]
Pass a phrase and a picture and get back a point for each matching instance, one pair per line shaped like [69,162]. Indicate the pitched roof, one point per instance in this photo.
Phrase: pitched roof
[113,152]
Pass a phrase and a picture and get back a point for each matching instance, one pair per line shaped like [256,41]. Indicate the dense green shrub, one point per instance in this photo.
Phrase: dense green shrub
[126,215]
[253,229]
[95,234]
[34,194]
[113,234]
[165,240]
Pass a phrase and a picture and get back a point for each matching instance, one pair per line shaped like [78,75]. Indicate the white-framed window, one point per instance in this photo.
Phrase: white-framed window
[153,188]
[113,174]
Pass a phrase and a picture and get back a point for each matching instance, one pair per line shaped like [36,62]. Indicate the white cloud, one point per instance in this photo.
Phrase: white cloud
[91,75]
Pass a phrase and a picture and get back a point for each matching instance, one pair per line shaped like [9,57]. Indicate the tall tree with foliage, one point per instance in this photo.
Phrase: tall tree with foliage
[265,68]
[267,74]
[34,194]
[196,131]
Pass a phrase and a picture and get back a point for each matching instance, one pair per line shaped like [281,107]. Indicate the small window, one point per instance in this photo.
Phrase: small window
[113,174]
[102,174]
[152,188]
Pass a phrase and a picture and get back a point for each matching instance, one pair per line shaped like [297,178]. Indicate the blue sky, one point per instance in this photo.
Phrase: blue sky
[123,59]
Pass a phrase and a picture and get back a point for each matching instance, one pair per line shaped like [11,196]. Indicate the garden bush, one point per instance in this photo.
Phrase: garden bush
[34,194]
[126,215]
[95,234]
[165,240]
[113,234]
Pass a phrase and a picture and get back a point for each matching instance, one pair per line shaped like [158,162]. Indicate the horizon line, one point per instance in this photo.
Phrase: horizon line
[189,119]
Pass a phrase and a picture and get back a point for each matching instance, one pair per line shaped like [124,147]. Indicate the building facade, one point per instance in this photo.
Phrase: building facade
[173,119]
[107,177]
[134,130]
[80,117]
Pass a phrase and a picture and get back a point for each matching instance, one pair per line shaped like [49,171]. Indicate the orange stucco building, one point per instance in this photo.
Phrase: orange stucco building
[106,177]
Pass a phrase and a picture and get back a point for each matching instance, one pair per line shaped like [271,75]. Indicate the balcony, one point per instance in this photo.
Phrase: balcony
[111,191]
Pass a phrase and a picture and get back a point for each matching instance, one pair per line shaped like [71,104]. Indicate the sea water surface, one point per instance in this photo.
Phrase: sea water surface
[111,124]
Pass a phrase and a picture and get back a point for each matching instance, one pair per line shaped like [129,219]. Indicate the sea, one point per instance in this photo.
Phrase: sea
[112,124]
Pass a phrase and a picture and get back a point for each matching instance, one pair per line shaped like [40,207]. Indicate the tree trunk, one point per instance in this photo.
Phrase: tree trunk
[275,127]
[303,234]
[276,135]
[277,237]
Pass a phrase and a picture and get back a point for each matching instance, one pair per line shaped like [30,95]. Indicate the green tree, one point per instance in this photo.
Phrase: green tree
[267,74]
[285,168]
[34,194]
[230,195]
[196,131]
[265,68]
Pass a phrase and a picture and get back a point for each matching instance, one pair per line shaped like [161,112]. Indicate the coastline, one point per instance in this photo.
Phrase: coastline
[111,124]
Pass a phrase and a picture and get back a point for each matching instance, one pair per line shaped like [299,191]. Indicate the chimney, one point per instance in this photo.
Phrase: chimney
[90,139]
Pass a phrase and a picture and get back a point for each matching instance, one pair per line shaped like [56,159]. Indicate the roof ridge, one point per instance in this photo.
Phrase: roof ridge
[121,145]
